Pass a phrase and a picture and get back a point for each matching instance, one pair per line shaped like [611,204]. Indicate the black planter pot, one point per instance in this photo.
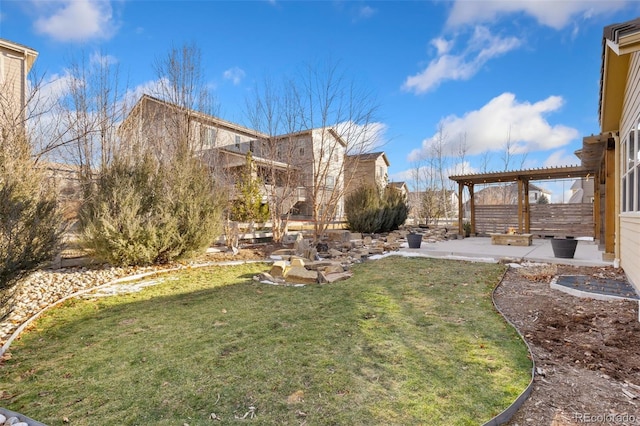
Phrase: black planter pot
[564,248]
[414,240]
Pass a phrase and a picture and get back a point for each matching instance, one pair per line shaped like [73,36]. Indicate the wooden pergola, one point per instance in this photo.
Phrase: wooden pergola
[522,177]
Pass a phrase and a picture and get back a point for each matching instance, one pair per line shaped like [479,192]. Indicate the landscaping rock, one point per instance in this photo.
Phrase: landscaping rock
[265,276]
[334,277]
[339,236]
[334,253]
[297,262]
[333,268]
[299,274]
[311,254]
[284,254]
[322,247]
[319,265]
[278,269]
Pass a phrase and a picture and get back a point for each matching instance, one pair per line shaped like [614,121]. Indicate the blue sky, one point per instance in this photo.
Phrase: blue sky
[486,72]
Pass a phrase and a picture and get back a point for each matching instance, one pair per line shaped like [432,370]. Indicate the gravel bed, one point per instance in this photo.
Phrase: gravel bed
[45,287]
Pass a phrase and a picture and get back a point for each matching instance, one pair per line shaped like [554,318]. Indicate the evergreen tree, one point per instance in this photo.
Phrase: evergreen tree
[248,207]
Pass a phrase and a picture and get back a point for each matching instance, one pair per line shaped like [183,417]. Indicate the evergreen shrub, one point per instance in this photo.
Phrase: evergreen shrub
[148,212]
[370,210]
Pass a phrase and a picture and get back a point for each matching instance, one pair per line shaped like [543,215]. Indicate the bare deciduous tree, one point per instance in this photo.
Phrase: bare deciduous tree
[272,111]
[91,107]
[343,117]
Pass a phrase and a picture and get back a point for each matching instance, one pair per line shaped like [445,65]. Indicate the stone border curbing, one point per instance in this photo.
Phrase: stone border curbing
[21,417]
[508,413]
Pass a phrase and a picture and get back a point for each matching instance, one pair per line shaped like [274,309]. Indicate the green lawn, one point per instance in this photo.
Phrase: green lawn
[406,341]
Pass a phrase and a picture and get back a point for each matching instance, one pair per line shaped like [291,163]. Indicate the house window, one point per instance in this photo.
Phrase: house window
[237,142]
[630,149]
[209,136]
[330,182]
[301,151]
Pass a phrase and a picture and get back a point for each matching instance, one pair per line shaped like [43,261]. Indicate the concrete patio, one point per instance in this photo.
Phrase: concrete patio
[480,248]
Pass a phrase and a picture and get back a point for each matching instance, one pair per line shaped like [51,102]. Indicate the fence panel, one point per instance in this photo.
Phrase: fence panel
[546,219]
[574,220]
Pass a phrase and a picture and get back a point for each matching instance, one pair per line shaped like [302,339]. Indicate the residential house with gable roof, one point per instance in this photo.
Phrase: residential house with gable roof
[315,156]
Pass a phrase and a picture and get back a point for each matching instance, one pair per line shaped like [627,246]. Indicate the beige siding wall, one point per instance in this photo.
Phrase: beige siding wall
[630,247]
[361,173]
[630,222]
[381,172]
[13,78]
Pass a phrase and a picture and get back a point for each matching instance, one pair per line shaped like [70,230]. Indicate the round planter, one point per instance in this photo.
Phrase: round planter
[564,248]
[414,240]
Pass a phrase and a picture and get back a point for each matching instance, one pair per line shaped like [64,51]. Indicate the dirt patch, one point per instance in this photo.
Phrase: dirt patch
[587,352]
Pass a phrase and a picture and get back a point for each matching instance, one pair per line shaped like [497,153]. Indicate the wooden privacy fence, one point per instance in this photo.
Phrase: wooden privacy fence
[546,219]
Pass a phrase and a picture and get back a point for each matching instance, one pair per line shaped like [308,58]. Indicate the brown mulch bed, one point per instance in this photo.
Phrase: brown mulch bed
[587,352]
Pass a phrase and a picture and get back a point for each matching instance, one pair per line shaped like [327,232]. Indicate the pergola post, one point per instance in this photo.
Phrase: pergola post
[609,205]
[597,205]
[460,213]
[520,205]
[472,204]
[527,208]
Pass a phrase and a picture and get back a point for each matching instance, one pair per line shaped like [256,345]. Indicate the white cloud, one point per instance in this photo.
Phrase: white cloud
[102,60]
[234,74]
[75,20]
[554,14]
[442,45]
[151,87]
[416,177]
[561,158]
[502,120]
[362,138]
[366,12]
[481,47]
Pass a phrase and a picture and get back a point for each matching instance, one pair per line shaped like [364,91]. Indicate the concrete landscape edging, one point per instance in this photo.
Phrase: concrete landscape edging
[509,412]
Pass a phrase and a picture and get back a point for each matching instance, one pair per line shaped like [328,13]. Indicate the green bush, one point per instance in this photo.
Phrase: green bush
[395,210]
[370,211]
[248,206]
[146,212]
[31,224]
